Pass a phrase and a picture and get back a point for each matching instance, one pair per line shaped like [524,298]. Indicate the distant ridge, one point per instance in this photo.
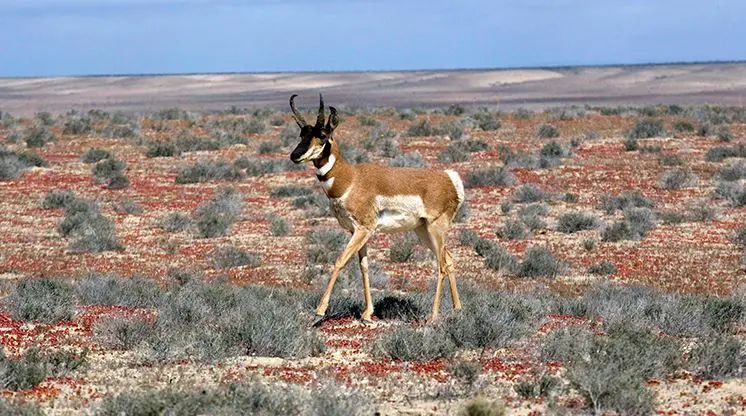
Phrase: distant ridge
[688,83]
[506,68]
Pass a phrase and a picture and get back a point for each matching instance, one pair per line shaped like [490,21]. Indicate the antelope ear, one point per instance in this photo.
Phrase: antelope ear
[333,121]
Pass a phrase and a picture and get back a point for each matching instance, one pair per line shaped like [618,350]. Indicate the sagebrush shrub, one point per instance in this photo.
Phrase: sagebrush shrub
[403,247]
[325,245]
[415,344]
[572,222]
[218,170]
[95,154]
[647,128]
[539,262]
[278,227]
[231,256]
[408,160]
[134,292]
[676,179]
[41,299]
[215,217]
[493,319]
[499,176]
[529,193]
[547,131]
[57,198]
[175,222]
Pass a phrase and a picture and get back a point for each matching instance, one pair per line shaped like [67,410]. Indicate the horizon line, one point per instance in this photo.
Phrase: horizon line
[352,71]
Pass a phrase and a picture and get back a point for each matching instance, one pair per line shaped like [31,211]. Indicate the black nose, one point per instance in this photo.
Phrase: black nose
[295,156]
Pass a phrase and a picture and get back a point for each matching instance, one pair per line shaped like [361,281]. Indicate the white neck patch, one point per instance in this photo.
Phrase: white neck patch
[327,166]
[327,184]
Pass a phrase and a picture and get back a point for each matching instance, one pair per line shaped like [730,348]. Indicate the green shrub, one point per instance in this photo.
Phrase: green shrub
[175,222]
[469,238]
[720,153]
[324,246]
[722,314]
[671,160]
[539,262]
[733,171]
[493,320]
[38,136]
[676,179]
[122,333]
[609,372]
[316,205]
[133,292]
[41,299]
[403,247]
[108,169]
[724,134]
[529,193]
[415,344]
[286,191]
[231,256]
[647,128]
[57,198]
[486,121]
[10,165]
[532,215]
[162,149]
[512,230]
[405,308]
[408,160]
[627,199]
[77,124]
[574,221]
[278,227]
[480,406]
[683,126]
[547,131]
[499,176]
[199,172]
[603,268]
[256,398]
[718,357]
[95,154]
[215,217]
[34,367]
[267,147]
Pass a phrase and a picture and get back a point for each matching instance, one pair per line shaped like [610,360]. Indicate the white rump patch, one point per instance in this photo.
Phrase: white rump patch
[399,213]
[327,184]
[327,166]
[457,183]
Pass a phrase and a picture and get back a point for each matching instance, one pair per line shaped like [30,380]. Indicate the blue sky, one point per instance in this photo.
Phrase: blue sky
[80,37]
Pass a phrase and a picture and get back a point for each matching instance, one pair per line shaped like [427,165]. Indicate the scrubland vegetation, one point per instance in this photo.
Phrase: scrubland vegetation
[170,263]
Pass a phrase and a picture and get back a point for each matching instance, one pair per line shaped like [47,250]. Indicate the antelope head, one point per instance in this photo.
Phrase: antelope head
[314,139]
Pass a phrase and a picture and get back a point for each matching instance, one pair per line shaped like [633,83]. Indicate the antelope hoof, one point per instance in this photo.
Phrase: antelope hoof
[317,321]
[367,318]
[431,320]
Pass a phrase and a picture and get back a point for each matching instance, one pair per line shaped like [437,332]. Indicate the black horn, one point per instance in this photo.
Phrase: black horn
[321,118]
[296,114]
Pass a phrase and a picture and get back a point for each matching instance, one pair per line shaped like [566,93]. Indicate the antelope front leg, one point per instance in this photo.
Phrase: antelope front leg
[363,257]
[358,240]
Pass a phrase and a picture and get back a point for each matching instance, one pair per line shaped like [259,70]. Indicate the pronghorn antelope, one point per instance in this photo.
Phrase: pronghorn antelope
[367,198]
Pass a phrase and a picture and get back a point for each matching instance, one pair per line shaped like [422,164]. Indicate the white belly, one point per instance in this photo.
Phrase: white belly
[399,213]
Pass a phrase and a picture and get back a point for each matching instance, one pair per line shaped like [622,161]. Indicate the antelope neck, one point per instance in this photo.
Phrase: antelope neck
[326,162]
